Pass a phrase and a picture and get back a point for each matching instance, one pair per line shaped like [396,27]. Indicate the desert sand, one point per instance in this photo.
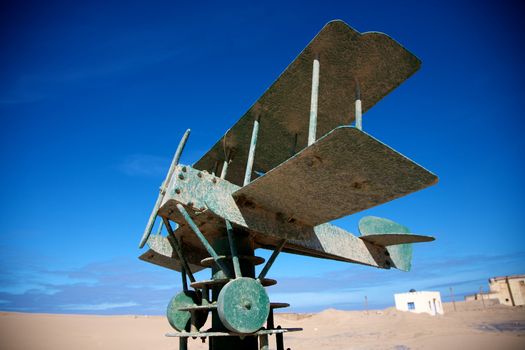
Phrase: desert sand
[470,327]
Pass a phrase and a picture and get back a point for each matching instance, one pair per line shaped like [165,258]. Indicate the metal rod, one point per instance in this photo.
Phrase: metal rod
[183,343]
[224,169]
[270,320]
[358,110]
[233,249]
[279,341]
[178,250]
[184,281]
[203,240]
[313,103]
[163,187]
[270,261]
[251,154]
[263,342]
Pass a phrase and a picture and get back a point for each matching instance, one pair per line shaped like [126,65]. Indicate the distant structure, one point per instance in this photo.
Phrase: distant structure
[508,290]
[419,302]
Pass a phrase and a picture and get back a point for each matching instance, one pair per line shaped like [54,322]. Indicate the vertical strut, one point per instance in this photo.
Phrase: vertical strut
[251,154]
[263,342]
[233,248]
[163,188]
[184,281]
[358,110]
[203,240]
[270,261]
[313,103]
[178,250]
[224,169]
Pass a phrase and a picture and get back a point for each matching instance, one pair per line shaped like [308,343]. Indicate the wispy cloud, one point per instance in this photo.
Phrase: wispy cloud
[144,165]
[129,286]
[97,307]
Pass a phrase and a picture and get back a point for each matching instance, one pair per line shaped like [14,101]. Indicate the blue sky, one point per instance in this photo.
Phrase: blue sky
[94,97]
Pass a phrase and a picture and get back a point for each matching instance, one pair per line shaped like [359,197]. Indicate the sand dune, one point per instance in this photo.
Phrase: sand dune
[471,327]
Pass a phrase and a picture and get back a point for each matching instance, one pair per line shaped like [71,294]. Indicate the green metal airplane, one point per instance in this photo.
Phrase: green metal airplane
[296,160]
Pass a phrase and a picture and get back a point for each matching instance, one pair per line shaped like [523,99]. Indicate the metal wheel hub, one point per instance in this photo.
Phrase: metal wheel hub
[243,305]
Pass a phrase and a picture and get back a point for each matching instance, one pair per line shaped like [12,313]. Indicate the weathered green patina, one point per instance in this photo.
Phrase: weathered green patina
[301,183]
[181,320]
[243,305]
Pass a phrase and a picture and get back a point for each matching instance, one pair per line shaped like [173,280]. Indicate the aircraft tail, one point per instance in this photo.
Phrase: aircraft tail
[395,237]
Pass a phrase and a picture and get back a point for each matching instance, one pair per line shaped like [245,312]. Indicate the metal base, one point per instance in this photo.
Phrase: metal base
[219,337]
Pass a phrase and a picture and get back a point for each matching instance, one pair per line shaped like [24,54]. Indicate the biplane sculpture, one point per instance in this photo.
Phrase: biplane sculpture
[275,180]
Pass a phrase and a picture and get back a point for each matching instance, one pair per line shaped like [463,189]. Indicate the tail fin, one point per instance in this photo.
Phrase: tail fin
[400,254]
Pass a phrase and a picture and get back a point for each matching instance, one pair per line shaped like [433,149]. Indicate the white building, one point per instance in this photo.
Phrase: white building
[419,302]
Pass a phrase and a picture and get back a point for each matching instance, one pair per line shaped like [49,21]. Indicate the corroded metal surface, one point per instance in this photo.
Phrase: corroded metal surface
[401,254]
[297,190]
[385,240]
[374,61]
[344,172]
[243,305]
[202,191]
[161,253]
[180,319]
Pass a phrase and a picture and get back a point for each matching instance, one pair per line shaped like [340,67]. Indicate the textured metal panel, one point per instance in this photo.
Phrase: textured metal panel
[161,253]
[209,201]
[373,60]
[395,238]
[344,172]
[401,254]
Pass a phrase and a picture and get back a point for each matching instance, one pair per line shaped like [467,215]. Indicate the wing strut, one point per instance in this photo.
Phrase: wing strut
[312,129]
[163,189]
[251,154]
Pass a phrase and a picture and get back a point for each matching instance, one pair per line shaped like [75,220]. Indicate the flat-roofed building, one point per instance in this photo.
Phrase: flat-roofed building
[509,290]
[419,302]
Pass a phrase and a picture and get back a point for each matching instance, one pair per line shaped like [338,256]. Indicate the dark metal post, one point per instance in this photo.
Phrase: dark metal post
[178,250]
[244,247]
[203,240]
[279,340]
[233,249]
[183,343]
[184,281]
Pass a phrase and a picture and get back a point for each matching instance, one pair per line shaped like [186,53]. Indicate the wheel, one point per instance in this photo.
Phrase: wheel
[181,320]
[243,305]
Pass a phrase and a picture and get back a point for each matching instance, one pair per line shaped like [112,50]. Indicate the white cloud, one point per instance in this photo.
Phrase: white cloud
[97,307]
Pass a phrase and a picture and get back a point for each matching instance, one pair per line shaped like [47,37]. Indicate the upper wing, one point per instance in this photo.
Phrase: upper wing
[373,60]
[344,172]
